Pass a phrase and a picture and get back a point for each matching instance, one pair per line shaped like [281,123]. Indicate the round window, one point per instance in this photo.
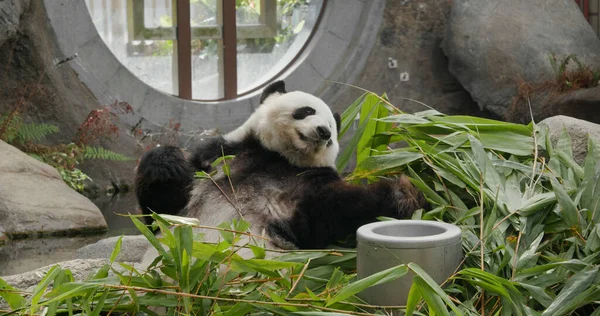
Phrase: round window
[206,49]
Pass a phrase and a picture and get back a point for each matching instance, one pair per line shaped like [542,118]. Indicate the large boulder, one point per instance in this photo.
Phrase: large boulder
[579,131]
[133,249]
[493,46]
[34,200]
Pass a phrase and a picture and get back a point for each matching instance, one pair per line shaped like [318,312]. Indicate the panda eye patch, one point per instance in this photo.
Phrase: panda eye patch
[303,112]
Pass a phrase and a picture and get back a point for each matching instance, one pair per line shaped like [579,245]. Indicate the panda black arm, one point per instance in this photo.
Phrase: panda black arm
[333,211]
[163,181]
[209,150]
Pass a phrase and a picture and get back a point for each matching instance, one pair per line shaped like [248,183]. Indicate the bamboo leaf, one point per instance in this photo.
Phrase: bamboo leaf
[433,300]
[374,279]
[393,160]
[116,250]
[7,292]
[40,289]
[568,208]
[427,284]
[574,286]
[414,296]
[151,238]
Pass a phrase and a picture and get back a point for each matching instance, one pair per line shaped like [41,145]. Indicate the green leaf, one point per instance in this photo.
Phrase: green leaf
[349,115]
[151,238]
[352,145]
[529,257]
[396,159]
[40,289]
[564,143]
[574,286]
[568,208]
[414,296]
[180,220]
[433,300]
[374,279]
[116,250]
[7,292]
[404,119]
[427,191]
[70,290]
[427,284]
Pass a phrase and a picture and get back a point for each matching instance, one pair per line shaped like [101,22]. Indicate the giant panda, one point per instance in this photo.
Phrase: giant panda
[283,176]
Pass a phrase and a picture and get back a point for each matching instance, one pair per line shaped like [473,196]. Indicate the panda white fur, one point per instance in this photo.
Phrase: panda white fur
[283,175]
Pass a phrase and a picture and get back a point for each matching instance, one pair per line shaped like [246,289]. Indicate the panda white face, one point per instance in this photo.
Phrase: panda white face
[299,126]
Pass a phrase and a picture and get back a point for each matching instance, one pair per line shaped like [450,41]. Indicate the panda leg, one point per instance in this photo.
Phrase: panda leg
[163,181]
[336,210]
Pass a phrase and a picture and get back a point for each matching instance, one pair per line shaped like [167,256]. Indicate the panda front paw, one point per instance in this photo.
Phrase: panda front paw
[407,198]
[281,235]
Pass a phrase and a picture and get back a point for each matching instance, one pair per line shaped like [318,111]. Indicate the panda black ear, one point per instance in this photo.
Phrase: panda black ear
[338,121]
[275,87]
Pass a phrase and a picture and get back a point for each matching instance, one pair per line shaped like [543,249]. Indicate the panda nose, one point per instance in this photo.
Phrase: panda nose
[323,132]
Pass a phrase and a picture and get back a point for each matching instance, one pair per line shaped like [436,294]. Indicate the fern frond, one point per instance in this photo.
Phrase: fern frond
[103,153]
[9,125]
[35,132]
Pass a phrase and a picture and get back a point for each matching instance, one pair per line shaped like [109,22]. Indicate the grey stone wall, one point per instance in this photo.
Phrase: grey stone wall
[406,61]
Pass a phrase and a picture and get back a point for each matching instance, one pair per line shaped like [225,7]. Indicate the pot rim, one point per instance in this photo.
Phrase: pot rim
[451,234]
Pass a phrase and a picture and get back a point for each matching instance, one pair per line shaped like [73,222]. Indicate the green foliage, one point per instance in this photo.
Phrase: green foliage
[9,126]
[63,157]
[14,130]
[580,77]
[90,152]
[74,178]
[530,223]
[193,277]
[35,132]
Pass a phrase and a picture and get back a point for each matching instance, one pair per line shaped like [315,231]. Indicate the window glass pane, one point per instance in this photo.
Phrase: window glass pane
[203,12]
[150,59]
[270,34]
[207,50]
[207,69]
[247,12]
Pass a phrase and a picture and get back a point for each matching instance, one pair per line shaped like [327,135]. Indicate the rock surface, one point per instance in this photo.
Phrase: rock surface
[579,131]
[133,249]
[54,94]
[492,44]
[410,35]
[80,268]
[35,200]
[583,104]
[10,17]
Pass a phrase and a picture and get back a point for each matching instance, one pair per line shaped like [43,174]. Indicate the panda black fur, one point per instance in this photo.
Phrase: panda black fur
[283,175]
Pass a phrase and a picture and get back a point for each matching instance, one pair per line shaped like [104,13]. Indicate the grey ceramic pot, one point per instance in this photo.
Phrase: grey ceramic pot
[434,246]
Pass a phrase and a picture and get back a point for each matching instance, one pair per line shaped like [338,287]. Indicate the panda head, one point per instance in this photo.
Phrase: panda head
[297,125]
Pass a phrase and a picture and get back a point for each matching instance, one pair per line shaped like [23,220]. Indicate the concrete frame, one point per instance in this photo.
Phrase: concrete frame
[337,52]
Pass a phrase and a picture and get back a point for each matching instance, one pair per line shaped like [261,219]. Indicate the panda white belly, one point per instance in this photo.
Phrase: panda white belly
[257,205]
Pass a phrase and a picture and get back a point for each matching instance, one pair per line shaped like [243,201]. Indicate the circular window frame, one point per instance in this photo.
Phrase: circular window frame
[227,32]
[337,52]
